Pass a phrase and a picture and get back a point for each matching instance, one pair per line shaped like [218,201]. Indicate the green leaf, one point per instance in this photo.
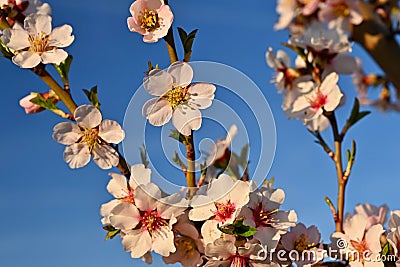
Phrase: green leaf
[143,155]
[187,42]
[386,249]
[93,97]
[111,231]
[7,53]
[44,103]
[175,134]
[63,69]
[355,116]
[238,229]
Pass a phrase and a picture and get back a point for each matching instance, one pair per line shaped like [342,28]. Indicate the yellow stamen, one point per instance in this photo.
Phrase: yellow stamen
[39,43]
[177,96]
[149,20]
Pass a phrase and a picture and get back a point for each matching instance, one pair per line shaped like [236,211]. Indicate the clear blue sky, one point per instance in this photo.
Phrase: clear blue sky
[50,214]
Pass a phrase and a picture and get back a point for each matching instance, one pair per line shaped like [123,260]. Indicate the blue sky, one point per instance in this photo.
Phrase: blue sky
[51,213]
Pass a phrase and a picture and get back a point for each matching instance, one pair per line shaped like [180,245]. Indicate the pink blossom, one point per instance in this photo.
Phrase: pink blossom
[30,108]
[150,18]
[347,9]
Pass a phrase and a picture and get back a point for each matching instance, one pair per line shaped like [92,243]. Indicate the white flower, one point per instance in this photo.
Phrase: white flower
[147,225]
[326,97]
[189,246]
[318,39]
[176,98]
[37,42]
[363,246]
[374,214]
[90,136]
[122,190]
[262,212]
[25,7]
[287,12]
[221,204]
[303,240]
[223,252]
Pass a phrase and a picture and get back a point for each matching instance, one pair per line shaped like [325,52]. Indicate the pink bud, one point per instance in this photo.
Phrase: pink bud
[30,108]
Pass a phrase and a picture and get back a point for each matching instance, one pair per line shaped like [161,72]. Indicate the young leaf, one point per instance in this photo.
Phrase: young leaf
[143,155]
[175,134]
[5,51]
[44,103]
[111,231]
[238,229]
[187,42]
[93,97]
[63,69]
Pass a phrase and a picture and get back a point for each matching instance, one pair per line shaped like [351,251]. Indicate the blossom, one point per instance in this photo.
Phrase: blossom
[90,136]
[287,12]
[123,190]
[189,246]
[325,97]
[16,10]
[305,241]
[37,42]
[394,220]
[147,224]
[221,204]
[30,107]
[310,6]
[223,252]
[150,18]
[346,9]
[375,215]
[176,98]
[263,213]
[363,246]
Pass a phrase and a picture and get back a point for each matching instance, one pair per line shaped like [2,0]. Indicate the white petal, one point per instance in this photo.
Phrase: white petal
[146,196]
[105,210]
[111,132]
[77,155]
[160,113]
[26,59]
[329,83]
[300,104]
[105,156]
[172,206]
[15,39]
[355,227]
[118,186]
[220,248]
[373,236]
[148,106]
[185,119]
[66,133]
[139,175]
[55,56]
[333,99]
[201,95]
[124,216]
[87,116]
[221,187]
[158,82]
[181,72]
[138,242]
[61,36]
[202,208]
[163,241]
[38,23]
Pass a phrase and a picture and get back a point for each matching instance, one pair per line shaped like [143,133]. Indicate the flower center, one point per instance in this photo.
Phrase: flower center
[91,138]
[341,10]
[318,101]
[39,42]
[149,20]
[130,198]
[224,211]
[360,247]
[177,96]
[151,221]
[239,261]
[302,243]
[263,217]
[186,246]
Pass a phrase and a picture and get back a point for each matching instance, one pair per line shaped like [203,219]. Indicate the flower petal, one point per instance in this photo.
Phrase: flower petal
[111,132]
[118,186]
[16,39]
[77,155]
[163,241]
[124,216]
[55,56]
[38,24]
[66,133]
[146,196]
[181,72]
[201,95]
[185,119]
[154,4]
[220,248]
[105,156]
[87,116]
[26,59]
[158,82]
[61,36]
[160,113]
[138,242]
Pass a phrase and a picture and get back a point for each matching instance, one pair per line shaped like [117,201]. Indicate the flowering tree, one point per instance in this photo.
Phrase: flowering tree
[223,216]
